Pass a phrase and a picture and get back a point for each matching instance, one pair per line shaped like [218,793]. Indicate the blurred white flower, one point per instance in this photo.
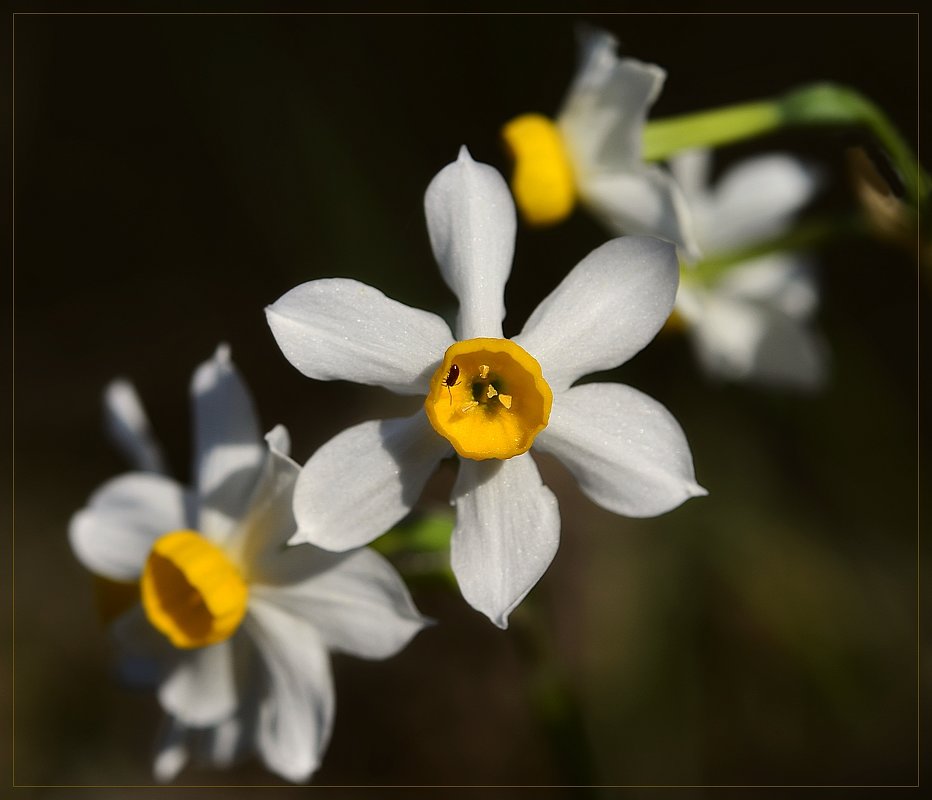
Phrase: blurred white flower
[488,397]
[593,151]
[751,323]
[238,625]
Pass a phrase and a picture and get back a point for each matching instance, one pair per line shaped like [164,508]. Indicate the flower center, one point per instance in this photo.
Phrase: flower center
[542,183]
[191,591]
[488,398]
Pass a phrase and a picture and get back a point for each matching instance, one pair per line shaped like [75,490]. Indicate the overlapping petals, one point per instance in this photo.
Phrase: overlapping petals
[603,115]
[296,712]
[602,121]
[364,480]
[752,323]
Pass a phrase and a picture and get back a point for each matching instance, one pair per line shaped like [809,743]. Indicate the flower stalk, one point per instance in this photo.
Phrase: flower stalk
[815,105]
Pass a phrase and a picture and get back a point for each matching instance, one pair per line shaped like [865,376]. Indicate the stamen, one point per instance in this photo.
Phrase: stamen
[467,413]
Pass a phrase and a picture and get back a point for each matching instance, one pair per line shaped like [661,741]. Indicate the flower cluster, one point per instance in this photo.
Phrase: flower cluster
[231,593]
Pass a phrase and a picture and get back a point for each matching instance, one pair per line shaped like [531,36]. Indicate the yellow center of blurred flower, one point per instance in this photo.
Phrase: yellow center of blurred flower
[542,183]
[489,399]
[191,591]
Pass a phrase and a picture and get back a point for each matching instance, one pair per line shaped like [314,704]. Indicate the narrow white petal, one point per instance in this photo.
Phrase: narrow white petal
[268,521]
[507,533]
[171,750]
[756,200]
[644,200]
[603,115]
[626,450]
[606,310]
[228,446]
[223,744]
[341,329]
[365,479]
[471,221]
[296,714]
[201,689]
[113,534]
[129,428]
[356,601]
[691,170]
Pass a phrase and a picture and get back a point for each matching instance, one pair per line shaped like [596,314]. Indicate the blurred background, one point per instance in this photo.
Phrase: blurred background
[175,174]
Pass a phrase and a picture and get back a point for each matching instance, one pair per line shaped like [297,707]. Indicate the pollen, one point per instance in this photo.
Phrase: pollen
[542,183]
[499,404]
[191,591]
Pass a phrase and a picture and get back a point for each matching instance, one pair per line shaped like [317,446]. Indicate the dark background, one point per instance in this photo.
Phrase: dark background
[175,174]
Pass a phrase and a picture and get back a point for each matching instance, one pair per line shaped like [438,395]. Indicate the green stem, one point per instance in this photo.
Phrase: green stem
[809,234]
[820,104]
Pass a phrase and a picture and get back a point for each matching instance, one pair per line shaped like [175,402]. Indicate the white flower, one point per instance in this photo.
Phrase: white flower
[487,396]
[239,625]
[593,151]
[753,322]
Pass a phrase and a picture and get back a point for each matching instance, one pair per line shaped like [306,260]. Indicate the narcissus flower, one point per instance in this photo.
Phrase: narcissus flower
[751,321]
[591,152]
[238,625]
[488,398]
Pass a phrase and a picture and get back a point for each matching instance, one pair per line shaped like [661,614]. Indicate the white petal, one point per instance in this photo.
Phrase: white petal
[743,339]
[507,533]
[606,310]
[129,428]
[691,170]
[603,115]
[783,281]
[756,200]
[201,689]
[471,222]
[228,446]
[626,450]
[113,534]
[268,522]
[365,479]
[356,601]
[171,750]
[340,329]
[644,200]
[296,715]
[223,744]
